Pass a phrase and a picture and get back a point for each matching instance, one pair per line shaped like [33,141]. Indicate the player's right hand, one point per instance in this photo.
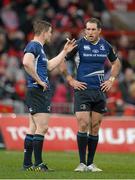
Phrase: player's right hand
[43,84]
[70,45]
[78,85]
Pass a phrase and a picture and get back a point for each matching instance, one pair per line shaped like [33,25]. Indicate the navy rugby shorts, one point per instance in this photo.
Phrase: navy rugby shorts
[90,100]
[38,101]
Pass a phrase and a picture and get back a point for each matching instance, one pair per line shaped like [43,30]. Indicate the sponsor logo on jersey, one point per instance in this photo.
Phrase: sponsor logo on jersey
[30,109]
[83,106]
[49,108]
[86,47]
[95,51]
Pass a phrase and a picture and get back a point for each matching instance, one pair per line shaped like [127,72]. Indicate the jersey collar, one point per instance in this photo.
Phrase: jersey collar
[38,42]
[91,42]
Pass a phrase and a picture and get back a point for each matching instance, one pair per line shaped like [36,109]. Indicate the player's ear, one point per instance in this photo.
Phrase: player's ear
[99,30]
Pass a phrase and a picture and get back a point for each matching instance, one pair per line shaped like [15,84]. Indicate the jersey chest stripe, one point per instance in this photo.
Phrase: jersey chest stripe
[95,73]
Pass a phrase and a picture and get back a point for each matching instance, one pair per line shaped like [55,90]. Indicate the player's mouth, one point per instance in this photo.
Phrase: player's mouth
[91,36]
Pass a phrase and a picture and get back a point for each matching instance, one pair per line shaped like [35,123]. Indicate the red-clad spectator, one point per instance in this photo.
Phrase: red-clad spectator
[129,109]
[20,88]
[60,94]
[125,83]
[9,18]
[115,102]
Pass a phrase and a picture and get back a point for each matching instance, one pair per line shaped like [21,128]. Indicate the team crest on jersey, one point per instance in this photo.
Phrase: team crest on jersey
[86,47]
[102,47]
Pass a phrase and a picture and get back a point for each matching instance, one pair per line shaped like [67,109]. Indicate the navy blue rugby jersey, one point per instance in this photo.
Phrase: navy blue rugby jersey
[40,63]
[90,61]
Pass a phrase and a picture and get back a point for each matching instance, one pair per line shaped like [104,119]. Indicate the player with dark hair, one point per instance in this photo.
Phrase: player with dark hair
[90,87]
[36,65]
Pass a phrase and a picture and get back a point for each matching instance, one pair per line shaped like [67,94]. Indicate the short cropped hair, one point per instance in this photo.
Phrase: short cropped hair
[40,25]
[94,20]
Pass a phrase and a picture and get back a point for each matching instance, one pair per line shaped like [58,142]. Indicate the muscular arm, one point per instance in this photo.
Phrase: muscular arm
[54,62]
[116,66]
[29,66]
[72,82]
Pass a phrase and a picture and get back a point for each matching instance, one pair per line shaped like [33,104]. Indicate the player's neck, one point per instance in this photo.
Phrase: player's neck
[92,42]
[39,40]
[96,41]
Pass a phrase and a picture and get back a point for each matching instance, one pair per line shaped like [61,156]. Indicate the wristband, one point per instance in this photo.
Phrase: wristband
[69,78]
[112,79]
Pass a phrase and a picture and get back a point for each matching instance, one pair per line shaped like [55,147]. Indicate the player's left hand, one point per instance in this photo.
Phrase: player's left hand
[70,45]
[106,86]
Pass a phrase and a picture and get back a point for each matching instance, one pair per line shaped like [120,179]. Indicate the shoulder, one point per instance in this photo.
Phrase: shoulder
[32,44]
[81,42]
[32,47]
[105,42]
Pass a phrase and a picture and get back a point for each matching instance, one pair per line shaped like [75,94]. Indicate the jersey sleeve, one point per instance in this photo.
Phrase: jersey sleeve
[112,56]
[31,49]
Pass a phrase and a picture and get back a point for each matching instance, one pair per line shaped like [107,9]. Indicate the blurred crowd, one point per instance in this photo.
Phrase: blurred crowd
[67,18]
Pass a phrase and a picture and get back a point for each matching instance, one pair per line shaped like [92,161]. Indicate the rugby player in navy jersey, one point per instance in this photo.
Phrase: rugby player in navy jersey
[90,87]
[36,65]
